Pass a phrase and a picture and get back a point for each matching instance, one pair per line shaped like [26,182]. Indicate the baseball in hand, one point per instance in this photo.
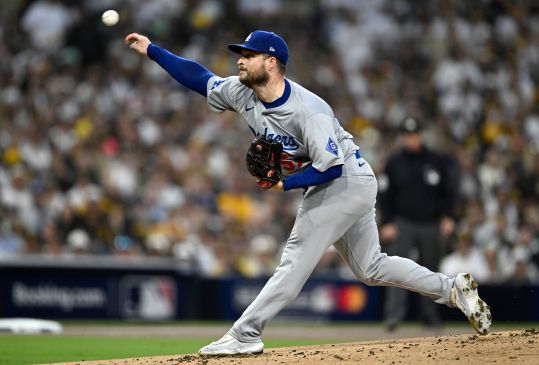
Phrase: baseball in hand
[110,17]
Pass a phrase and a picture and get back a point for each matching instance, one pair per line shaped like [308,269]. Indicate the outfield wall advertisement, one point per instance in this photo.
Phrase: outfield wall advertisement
[85,293]
[320,299]
[161,292]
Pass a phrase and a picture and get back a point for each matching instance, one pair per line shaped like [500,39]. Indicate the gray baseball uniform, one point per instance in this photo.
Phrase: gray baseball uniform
[340,212]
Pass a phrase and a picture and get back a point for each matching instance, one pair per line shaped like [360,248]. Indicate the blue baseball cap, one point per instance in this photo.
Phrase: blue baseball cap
[263,42]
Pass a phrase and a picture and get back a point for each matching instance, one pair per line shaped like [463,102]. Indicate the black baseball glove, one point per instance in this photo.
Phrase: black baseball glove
[263,161]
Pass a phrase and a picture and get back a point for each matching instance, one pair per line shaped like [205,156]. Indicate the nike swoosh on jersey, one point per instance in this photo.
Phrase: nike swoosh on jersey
[247,108]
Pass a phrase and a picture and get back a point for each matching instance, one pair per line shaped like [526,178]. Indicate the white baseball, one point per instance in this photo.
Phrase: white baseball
[110,18]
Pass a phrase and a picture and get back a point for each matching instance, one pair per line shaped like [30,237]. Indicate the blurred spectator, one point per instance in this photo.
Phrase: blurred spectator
[46,22]
[52,242]
[516,265]
[78,242]
[16,195]
[262,257]
[466,258]
[12,241]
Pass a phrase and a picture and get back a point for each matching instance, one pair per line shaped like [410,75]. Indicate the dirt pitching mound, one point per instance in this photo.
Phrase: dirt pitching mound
[509,347]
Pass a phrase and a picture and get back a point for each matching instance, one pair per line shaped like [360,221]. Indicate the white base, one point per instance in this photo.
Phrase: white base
[29,326]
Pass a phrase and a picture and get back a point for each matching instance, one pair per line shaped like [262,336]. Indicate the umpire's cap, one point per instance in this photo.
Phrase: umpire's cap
[263,42]
[411,125]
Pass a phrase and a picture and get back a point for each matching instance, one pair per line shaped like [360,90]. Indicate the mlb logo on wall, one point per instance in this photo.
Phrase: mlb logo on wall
[147,297]
[332,147]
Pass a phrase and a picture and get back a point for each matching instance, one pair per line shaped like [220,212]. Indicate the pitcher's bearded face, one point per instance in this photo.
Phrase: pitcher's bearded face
[252,69]
[255,76]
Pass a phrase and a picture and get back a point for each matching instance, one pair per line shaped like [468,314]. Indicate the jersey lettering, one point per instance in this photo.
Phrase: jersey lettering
[288,142]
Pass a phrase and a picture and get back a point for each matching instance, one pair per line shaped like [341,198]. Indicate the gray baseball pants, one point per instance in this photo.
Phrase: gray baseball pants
[342,213]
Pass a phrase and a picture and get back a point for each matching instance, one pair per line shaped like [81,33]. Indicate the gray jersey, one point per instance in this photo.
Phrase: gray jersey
[304,123]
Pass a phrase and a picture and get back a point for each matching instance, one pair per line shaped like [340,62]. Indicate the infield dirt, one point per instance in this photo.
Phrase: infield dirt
[510,347]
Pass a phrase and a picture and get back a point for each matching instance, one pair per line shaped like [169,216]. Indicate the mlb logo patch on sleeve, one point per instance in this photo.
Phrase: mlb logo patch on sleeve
[332,147]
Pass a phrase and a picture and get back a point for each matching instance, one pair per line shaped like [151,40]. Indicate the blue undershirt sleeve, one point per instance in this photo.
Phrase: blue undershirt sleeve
[312,177]
[188,73]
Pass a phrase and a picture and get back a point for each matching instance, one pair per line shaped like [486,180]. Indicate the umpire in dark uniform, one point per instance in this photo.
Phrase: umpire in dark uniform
[416,198]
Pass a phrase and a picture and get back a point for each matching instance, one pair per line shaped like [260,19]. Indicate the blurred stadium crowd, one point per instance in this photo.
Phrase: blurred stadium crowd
[103,153]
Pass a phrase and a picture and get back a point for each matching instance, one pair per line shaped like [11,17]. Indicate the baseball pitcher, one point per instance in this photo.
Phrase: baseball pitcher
[315,154]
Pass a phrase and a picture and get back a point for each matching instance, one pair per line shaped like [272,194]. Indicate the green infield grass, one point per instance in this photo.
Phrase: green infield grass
[23,350]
